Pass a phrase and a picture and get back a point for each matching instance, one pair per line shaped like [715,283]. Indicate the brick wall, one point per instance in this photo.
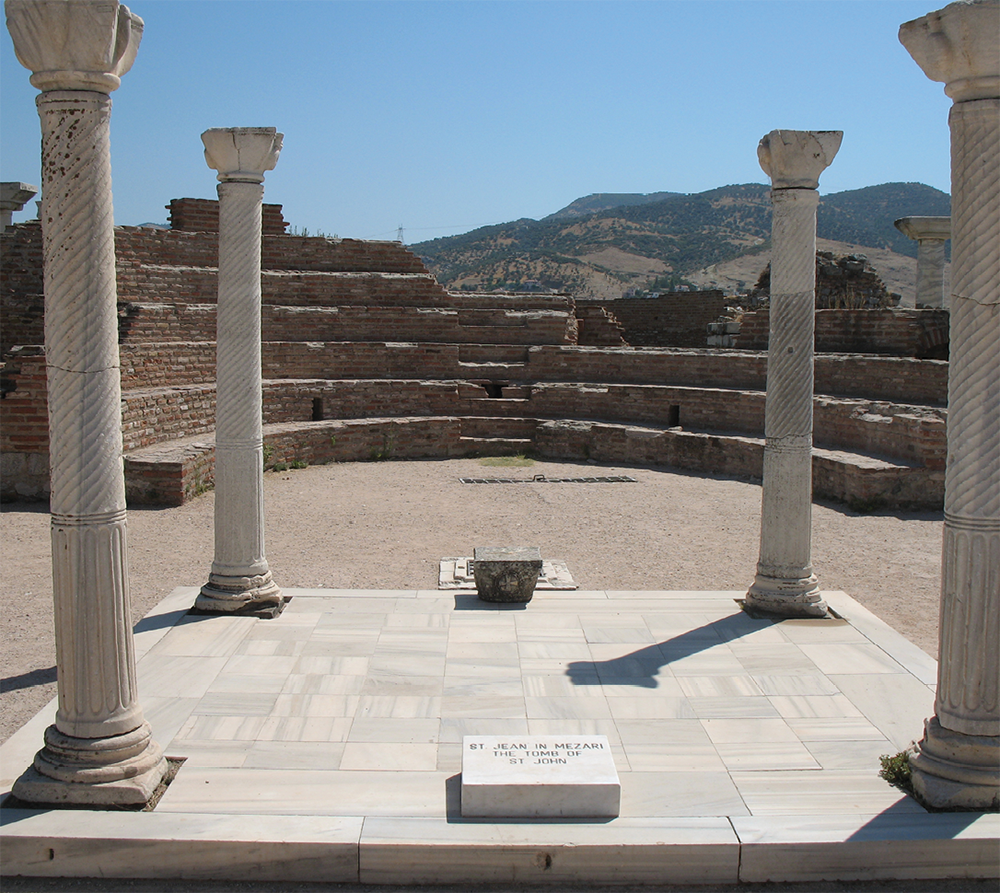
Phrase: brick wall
[900,379]
[24,425]
[899,333]
[678,319]
[201,215]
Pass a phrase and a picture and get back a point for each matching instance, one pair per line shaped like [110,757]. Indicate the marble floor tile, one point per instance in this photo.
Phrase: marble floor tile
[165,676]
[295,629]
[315,705]
[398,707]
[482,634]
[680,794]
[852,755]
[253,665]
[559,686]
[850,658]
[323,665]
[222,728]
[271,647]
[803,706]
[228,682]
[482,650]
[749,730]
[781,657]
[455,728]
[718,661]
[167,716]
[412,686]
[820,793]
[830,728]
[205,636]
[475,705]
[576,727]
[827,631]
[483,686]
[673,758]
[652,688]
[322,755]
[317,684]
[343,621]
[896,705]
[383,663]
[630,635]
[421,619]
[553,650]
[672,732]
[395,757]
[305,728]
[731,708]
[648,708]
[236,704]
[307,792]
[741,686]
[787,685]
[202,753]
[595,707]
[562,635]
[500,667]
[766,756]
[380,730]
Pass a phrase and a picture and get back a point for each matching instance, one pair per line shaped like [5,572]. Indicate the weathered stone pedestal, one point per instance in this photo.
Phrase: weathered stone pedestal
[13,197]
[99,752]
[785,583]
[521,776]
[240,581]
[506,573]
[930,234]
[958,763]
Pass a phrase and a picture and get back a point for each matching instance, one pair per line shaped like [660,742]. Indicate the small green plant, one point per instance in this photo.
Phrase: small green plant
[896,770]
[268,454]
[516,461]
[280,466]
[298,463]
[388,447]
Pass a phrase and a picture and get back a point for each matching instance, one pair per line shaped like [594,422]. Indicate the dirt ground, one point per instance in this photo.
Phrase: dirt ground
[386,525]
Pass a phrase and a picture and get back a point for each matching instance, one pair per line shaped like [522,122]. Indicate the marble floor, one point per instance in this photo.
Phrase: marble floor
[326,744]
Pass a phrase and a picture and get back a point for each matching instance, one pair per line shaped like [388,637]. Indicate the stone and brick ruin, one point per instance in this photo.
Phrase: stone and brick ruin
[366,356]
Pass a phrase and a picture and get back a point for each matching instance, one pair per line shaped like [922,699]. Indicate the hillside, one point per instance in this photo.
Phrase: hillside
[661,240]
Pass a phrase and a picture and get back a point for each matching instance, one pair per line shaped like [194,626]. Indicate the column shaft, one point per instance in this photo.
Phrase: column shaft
[785,582]
[930,273]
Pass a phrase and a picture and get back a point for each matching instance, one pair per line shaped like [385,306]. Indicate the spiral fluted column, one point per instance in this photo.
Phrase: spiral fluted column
[785,583]
[240,581]
[958,759]
[100,749]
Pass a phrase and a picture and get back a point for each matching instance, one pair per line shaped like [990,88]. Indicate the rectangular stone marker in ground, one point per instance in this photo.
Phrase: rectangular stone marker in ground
[539,776]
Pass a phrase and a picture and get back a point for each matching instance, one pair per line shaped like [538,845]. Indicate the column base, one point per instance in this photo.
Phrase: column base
[797,597]
[243,596]
[952,770]
[123,770]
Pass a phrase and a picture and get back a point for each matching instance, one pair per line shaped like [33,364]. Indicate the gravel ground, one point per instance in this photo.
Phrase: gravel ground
[386,525]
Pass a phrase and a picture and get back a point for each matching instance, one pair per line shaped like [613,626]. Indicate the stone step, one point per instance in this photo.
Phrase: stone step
[496,446]
[493,427]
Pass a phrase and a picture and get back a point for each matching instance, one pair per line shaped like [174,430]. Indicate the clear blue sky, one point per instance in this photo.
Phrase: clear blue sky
[444,116]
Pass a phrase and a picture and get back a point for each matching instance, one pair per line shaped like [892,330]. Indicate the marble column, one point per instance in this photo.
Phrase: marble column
[785,583]
[930,234]
[958,759]
[240,581]
[100,750]
[13,197]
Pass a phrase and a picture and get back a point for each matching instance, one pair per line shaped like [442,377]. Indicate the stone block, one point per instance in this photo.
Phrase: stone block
[506,573]
[521,776]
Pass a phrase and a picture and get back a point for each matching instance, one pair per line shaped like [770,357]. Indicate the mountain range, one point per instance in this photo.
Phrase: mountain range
[608,244]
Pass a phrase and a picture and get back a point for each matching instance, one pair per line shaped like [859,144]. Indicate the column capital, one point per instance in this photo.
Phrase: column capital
[960,46]
[74,44]
[920,228]
[242,154]
[14,196]
[794,159]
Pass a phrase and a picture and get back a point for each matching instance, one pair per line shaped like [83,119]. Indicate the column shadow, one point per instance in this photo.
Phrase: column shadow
[640,668]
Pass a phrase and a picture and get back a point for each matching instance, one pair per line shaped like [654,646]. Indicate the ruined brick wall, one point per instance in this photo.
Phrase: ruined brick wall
[21,286]
[678,319]
[201,215]
[898,333]
[843,282]
[24,425]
